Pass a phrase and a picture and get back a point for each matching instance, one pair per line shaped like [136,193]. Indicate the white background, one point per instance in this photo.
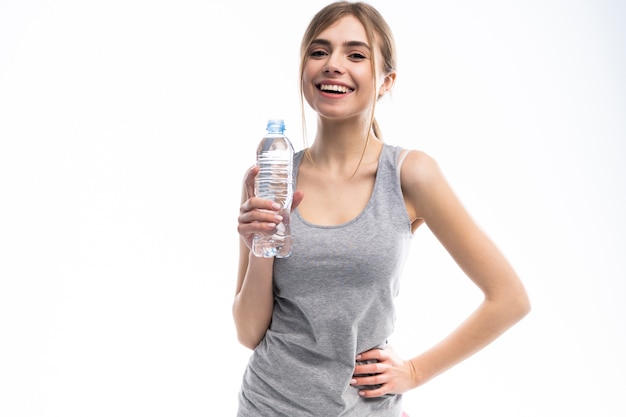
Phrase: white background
[125,129]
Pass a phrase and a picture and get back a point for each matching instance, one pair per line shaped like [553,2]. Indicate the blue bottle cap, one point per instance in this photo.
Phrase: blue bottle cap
[276,125]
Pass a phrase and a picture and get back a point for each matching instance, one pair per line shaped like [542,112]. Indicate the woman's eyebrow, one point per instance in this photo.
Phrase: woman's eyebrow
[326,42]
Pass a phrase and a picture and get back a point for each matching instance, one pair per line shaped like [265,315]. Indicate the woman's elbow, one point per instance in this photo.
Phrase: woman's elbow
[247,335]
[512,305]
[247,340]
[520,305]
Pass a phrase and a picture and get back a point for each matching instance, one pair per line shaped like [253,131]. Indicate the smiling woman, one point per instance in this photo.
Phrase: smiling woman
[319,321]
[114,295]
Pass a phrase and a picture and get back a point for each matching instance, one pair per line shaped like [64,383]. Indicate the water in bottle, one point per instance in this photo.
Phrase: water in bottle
[275,182]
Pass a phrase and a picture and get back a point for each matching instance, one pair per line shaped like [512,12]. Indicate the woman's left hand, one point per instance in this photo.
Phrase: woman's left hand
[388,374]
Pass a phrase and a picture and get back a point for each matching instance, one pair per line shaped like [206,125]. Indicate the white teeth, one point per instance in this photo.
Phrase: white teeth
[334,87]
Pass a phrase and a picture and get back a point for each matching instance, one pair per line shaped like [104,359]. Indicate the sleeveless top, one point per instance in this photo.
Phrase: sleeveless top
[333,298]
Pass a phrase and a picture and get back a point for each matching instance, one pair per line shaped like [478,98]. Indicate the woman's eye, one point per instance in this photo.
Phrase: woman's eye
[357,55]
[317,53]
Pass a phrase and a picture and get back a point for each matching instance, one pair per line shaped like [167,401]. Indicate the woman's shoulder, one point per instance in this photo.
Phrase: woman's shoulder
[417,159]
[401,150]
[419,169]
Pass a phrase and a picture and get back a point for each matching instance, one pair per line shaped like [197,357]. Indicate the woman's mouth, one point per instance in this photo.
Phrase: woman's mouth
[334,88]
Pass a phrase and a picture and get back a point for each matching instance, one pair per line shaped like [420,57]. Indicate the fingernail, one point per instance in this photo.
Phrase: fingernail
[358,356]
[353,381]
[278,218]
[276,206]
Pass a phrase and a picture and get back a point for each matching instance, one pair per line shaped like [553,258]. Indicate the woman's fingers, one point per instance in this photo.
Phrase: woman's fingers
[258,215]
[381,371]
[298,196]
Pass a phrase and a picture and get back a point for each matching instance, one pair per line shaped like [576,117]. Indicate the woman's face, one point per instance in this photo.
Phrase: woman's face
[337,79]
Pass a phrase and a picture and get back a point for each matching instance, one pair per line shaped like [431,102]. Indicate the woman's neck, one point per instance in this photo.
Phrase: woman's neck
[341,138]
[340,146]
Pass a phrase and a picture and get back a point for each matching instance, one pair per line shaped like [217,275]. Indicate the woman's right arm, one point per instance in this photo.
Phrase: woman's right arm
[254,299]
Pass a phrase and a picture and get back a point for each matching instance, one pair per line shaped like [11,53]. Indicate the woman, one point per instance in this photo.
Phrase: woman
[319,320]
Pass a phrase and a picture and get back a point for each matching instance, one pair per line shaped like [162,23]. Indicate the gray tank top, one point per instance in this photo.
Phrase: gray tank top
[334,298]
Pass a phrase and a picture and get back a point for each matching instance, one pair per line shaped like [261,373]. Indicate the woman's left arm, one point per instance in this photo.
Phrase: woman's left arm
[430,199]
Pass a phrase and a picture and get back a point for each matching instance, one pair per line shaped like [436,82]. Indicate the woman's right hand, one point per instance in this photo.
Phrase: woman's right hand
[258,215]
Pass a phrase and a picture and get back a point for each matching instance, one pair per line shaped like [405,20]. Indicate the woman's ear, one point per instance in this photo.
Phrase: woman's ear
[387,84]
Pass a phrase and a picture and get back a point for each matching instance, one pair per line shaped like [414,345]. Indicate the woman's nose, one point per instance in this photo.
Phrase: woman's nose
[332,66]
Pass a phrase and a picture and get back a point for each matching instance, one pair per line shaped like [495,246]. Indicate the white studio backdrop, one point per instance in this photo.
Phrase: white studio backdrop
[125,130]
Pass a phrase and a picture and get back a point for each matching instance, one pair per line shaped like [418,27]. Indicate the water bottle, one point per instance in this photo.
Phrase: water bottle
[274,157]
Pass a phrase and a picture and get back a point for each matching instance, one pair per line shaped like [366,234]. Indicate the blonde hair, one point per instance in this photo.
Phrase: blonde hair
[378,33]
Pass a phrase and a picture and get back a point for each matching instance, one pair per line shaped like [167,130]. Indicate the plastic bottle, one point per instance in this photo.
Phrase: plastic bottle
[274,181]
